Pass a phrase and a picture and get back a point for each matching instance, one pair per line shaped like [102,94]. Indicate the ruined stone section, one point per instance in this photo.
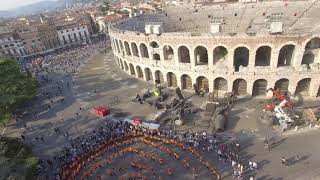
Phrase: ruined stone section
[250,63]
[186,82]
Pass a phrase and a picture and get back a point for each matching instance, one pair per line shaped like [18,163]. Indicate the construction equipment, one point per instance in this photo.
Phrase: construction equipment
[279,102]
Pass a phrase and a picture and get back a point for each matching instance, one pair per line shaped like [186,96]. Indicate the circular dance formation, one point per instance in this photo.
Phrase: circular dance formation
[103,156]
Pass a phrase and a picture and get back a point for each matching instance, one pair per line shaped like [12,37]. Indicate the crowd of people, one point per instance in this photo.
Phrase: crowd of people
[54,71]
[66,61]
[114,133]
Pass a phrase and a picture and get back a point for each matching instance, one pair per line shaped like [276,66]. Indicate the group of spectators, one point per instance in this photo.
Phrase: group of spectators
[226,151]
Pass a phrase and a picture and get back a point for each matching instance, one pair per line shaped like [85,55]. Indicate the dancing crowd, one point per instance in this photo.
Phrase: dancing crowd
[113,136]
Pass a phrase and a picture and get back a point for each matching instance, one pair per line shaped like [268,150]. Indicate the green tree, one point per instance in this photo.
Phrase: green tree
[16,88]
[104,7]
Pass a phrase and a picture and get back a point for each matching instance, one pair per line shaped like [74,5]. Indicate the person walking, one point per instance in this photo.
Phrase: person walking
[284,161]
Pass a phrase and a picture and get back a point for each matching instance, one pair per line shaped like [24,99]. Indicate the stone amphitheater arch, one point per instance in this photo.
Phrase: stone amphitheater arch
[122,48]
[135,50]
[139,72]
[186,82]
[168,52]
[121,63]
[126,66]
[240,57]
[259,87]
[263,56]
[303,87]
[144,50]
[311,51]
[220,53]
[118,47]
[184,54]
[282,85]
[239,87]
[158,77]
[127,48]
[201,55]
[220,84]
[202,83]
[132,71]
[148,74]
[154,44]
[172,80]
[286,55]
[156,56]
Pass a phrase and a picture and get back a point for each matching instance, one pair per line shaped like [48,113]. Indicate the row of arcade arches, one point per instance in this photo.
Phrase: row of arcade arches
[240,55]
[239,86]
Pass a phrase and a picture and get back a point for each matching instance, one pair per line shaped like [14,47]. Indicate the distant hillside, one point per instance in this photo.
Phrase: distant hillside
[47,5]
[34,8]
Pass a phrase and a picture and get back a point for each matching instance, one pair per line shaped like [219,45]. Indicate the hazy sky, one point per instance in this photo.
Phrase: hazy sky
[10,4]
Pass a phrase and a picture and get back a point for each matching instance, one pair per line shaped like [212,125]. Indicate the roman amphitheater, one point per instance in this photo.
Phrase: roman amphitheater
[244,48]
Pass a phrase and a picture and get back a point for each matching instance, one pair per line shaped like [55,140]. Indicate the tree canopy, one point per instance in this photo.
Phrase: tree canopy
[16,88]
[104,7]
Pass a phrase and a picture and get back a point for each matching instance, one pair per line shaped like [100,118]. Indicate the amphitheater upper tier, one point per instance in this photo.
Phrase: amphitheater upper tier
[244,48]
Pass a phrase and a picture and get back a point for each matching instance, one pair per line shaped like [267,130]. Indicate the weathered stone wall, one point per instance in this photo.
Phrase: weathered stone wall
[225,68]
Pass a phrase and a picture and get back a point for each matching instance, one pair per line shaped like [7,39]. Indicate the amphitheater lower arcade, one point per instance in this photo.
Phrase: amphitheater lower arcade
[248,69]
